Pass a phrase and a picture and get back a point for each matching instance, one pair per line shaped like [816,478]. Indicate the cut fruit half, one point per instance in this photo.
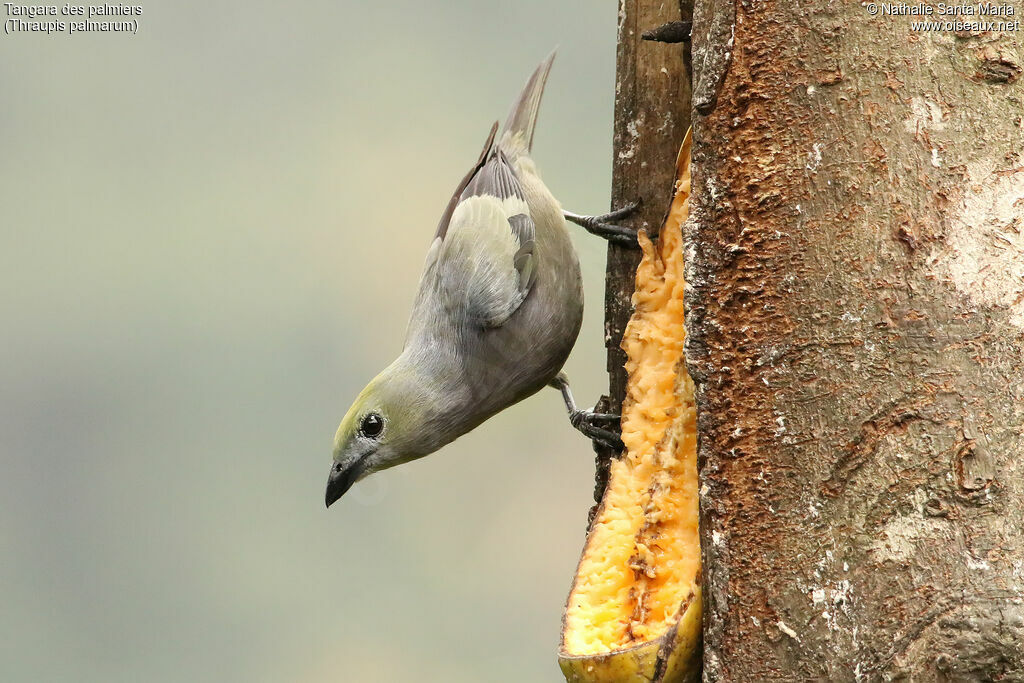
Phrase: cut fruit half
[634,612]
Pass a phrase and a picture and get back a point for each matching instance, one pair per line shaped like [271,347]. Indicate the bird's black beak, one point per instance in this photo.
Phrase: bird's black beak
[341,480]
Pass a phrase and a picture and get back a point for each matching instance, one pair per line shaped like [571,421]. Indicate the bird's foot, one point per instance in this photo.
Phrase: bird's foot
[603,225]
[601,428]
[590,424]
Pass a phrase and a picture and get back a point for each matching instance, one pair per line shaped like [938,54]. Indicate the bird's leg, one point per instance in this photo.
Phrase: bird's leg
[595,426]
[602,225]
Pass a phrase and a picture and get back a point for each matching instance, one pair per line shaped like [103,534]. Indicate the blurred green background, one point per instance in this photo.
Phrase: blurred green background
[212,233]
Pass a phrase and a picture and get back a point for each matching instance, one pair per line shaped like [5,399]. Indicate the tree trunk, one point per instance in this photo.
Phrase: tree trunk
[855,329]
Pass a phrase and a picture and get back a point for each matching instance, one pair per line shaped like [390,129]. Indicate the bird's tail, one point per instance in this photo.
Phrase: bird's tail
[517,134]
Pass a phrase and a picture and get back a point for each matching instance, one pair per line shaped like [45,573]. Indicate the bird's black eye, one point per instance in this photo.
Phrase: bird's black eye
[371,426]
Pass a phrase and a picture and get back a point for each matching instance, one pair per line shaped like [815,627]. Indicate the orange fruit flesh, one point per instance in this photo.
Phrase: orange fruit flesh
[641,563]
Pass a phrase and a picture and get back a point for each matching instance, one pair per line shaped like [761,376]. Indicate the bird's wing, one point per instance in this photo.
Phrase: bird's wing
[487,262]
[481,264]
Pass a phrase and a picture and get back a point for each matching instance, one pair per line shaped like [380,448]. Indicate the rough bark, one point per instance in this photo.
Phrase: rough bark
[856,332]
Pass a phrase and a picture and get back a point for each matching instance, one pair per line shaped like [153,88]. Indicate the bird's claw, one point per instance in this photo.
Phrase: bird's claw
[603,225]
[588,423]
[624,212]
[588,416]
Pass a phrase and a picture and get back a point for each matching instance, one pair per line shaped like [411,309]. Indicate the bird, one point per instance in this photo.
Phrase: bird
[497,312]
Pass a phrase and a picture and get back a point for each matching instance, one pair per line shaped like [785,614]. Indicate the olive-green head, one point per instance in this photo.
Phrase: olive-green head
[376,433]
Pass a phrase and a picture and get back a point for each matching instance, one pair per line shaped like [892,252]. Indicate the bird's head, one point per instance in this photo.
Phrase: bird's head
[374,434]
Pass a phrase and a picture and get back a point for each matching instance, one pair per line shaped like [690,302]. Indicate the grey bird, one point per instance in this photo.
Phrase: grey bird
[498,310]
